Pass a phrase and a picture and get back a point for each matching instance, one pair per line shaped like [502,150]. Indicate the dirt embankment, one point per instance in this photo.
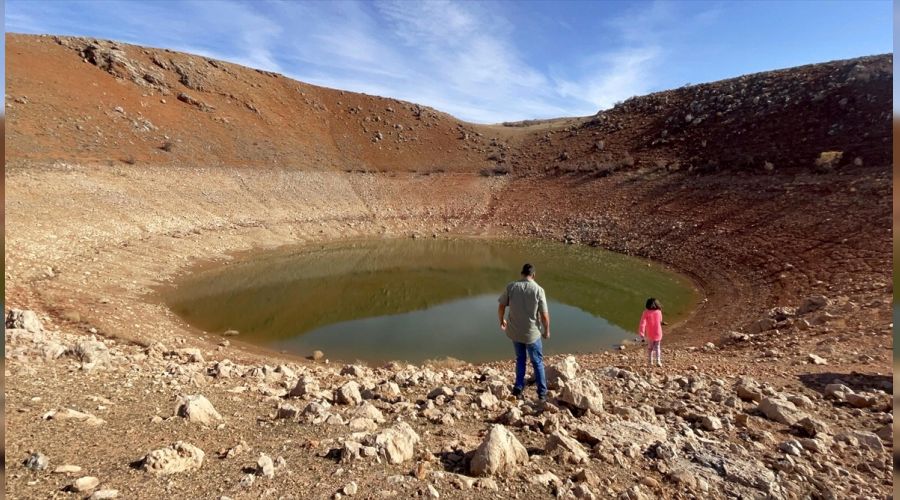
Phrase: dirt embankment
[126,165]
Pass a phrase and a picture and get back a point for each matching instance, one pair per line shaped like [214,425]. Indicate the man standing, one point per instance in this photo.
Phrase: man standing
[527,304]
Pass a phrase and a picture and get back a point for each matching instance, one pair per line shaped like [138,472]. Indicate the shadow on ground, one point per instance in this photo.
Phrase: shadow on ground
[859,382]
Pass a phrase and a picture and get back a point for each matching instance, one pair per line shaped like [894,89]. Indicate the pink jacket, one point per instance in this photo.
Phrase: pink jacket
[651,325]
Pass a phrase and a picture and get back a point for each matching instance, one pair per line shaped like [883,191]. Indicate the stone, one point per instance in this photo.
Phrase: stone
[801,401]
[761,325]
[791,447]
[812,427]
[388,391]
[306,386]
[748,473]
[816,360]
[748,390]
[621,433]
[837,391]
[583,394]
[710,423]
[583,491]
[84,484]
[24,319]
[53,350]
[368,410]
[189,355]
[223,369]
[350,489]
[684,477]
[350,451]
[197,408]
[36,461]
[70,414]
[650,482]
[67,469]
[586,476]
[780,410]
[176,458]
[499,453]
[287,411]
[432,492]
[440,391]
[486,401]
[512,416]
[815,445]
[104,495]
[565,370]
[545,479]
[360,424]
[561,445]
[91,352]
[398,443]
[813,303]
[860,400]
[317,355]
[265,467]
[865,439]
[348,394]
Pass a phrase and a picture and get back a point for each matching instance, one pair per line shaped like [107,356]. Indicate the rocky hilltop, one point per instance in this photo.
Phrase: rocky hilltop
[127,165]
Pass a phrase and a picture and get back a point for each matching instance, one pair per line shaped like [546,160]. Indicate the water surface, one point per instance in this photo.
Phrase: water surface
[406,299]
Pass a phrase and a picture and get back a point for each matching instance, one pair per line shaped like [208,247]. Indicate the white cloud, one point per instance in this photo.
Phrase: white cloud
[464,58]
[614,77]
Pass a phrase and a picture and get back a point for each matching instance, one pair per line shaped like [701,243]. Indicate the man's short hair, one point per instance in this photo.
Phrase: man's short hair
[527,270]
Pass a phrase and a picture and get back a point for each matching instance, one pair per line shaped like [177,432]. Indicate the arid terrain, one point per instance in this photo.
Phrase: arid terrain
[126,166]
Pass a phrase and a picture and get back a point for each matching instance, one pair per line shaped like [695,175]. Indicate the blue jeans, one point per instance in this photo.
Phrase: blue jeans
[535,353]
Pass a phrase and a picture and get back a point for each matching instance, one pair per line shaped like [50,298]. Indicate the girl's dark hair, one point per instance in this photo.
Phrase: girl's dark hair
[653,304]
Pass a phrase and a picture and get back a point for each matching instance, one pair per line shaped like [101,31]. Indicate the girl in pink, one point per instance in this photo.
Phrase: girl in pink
[650,328]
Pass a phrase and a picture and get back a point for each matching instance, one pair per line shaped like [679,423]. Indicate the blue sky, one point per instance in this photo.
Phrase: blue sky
[487,61]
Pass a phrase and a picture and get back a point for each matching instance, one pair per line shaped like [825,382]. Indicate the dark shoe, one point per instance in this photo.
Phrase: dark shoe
[542,398]
[517,393]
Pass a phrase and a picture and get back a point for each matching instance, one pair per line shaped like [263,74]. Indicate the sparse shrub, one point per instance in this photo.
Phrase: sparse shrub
[167,146]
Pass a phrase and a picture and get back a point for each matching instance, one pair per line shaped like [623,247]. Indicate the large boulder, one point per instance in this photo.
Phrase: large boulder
[581,393]
[26,320]
[565,370]
[398,443]
[179,457]
[198,409]
[499,453]
[780,410]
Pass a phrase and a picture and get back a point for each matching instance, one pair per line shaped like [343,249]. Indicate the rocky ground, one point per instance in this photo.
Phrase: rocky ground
[93,416]
[777,386]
